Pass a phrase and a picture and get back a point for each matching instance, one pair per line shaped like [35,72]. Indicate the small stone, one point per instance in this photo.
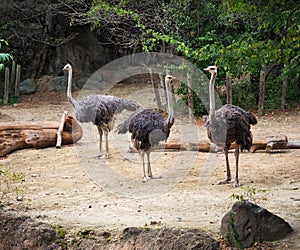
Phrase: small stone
[19,198]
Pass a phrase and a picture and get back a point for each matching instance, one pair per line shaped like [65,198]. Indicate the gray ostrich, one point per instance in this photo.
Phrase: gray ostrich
[227,125]
[98,109]
[148,128]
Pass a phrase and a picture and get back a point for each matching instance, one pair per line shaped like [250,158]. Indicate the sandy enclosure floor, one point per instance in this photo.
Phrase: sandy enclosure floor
[73,188]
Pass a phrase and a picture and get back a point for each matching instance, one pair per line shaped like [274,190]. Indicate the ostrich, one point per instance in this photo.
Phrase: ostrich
[98,109]
[148,128]
[227,125]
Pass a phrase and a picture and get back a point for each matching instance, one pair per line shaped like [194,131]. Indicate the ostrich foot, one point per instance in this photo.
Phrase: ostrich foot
[226,181]
[237,183]
[152,177]
[105,156]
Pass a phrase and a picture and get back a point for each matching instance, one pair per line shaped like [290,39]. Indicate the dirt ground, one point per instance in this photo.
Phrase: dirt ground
[73,188]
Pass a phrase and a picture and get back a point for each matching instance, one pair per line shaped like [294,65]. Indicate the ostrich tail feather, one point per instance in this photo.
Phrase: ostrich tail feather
[252,119]
[123,127]
[129,105]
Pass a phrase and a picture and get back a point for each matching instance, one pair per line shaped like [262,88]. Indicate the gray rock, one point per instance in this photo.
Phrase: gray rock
[60,83]
[247,223]
[83,80]
[27,87]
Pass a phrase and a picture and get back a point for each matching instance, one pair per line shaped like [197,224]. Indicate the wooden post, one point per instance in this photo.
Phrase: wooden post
[60,129]
[283,96]
[13,73]
[190,95]
[262,79]
[6,86]
[156,93]
[228,89]
[17,82]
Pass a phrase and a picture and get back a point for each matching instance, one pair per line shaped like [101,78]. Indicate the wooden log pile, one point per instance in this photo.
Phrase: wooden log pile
[41,134]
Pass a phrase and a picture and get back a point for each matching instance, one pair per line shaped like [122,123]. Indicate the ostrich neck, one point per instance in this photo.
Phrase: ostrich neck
[69,94]
[170,104]
[212,101]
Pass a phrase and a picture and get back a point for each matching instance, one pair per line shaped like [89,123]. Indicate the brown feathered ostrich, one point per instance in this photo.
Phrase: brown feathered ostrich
[227,125]
[148,128]
[98,109]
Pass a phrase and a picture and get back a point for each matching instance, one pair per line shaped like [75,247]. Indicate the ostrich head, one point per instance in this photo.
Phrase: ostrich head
[169,78]
[67,67]
[211,69]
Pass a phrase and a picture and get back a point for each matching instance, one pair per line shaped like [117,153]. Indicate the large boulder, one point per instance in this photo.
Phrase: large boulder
[27,87]
[247,223]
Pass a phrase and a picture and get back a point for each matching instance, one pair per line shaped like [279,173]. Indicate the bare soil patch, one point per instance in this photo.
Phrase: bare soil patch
[72,188]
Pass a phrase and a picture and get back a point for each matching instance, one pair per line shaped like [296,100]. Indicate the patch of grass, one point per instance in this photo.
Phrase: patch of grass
[60,235]
[249,194]
[9,181]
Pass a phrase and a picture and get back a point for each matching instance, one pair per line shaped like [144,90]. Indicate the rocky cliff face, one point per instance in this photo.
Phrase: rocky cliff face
[42,40]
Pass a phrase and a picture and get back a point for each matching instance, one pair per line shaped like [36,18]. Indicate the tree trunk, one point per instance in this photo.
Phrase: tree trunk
[6,86]
[283,97]
[262,80]
[17,82]
[18,135]
[190,95]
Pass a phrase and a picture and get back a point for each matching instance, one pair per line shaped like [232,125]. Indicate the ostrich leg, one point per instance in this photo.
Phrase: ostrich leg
[107,155]
[100,138]
[236,154]
[142,154]
[149,171]
[228,174]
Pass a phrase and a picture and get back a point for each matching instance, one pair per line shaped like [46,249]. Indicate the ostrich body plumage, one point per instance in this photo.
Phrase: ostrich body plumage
[235,122]
[99,110]
[148,128]
[227,125]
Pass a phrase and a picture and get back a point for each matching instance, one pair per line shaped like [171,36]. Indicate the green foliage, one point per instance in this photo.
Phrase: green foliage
[239,36]
[4,57]
[9,180]
[235,235]
[182,103]
[60,235]
[249,194]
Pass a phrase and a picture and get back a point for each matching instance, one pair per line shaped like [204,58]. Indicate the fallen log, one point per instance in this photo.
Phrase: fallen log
[205,146]
[41,134]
